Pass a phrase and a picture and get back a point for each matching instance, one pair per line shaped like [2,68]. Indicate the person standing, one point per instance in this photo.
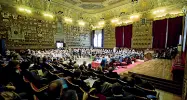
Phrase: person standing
[103,61]
[80,52]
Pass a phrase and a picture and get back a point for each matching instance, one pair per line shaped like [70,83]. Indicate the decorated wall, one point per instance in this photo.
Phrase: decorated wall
[109,36]
[147,11]
[22,31]
[77,36]
[142,33]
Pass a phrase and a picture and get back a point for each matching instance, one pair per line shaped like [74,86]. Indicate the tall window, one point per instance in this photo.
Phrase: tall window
[98,38]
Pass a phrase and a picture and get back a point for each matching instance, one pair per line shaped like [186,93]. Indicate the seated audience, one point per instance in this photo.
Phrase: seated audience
[76,80]
[55,78]
[84,65]
[112,74]
[118,93]
[99,70]
[70,95]
[55,90]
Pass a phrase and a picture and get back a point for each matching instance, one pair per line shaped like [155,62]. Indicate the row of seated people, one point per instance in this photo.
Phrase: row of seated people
[55,81]
[123,61]
[168,53]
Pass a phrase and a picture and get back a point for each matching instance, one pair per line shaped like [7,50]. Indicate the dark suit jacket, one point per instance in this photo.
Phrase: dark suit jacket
[81,83]
[121,98]
[112,75]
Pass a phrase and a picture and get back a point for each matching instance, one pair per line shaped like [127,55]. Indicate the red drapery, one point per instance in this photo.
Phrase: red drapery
[159,33]
[119,36]
[174,31]
[127,36]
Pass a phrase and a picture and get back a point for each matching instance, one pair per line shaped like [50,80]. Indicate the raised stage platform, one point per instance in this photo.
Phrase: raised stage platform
[159,68]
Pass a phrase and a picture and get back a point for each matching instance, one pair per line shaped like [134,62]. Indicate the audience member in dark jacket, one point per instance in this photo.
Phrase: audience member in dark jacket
[44,65]
[12,74]
[76,80]
[118,93]
[112,74]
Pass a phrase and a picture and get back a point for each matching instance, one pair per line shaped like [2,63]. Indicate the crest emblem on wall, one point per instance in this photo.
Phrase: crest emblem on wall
[15,32]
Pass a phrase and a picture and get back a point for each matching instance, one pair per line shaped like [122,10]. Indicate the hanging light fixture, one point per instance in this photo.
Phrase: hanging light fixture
[116,20]
[159,11]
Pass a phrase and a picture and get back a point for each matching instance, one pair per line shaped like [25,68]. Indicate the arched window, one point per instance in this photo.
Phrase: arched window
[98,38]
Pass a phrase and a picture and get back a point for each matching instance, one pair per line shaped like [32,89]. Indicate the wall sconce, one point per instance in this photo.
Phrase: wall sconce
[81,23]
[159,11]
[161,15]
[175,12]
[24,10]
[68,20]
[127,21]
[48,15]
[119,23]
[115,20]
[101,23]
[97,27]
[134,17]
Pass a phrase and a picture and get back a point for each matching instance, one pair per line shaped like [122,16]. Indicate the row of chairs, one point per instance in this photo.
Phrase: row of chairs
[111,80]
[81,93]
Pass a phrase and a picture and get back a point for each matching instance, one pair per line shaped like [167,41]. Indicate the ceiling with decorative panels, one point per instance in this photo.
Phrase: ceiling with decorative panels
[93,10]
[92,6]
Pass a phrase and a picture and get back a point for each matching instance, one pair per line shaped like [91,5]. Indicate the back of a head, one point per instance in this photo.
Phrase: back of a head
[55,89]
[44,59]
[130,81]
[54,60]
[81,67]
[13,64]
[138,80]
[76,66]
[24,65]
[70,95]
[77,73]
[84,62]
[116,89]
[110,69]
[89,66]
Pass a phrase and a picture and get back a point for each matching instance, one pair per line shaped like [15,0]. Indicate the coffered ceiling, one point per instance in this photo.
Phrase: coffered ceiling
[93,10]
[92,6]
